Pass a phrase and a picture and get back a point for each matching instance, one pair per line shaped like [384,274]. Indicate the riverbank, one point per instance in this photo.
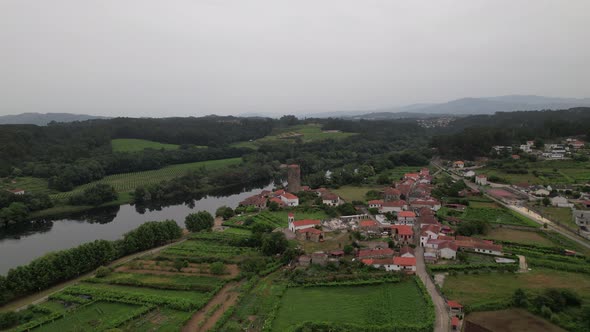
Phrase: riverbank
[36,298]
[61,210]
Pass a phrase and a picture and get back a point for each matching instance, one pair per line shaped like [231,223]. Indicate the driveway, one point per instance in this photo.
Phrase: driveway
[440,309]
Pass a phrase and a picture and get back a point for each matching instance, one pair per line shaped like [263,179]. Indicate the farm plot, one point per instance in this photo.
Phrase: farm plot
[126,182]
[134,145]
[518,236]
[355,193]
[497,216]
[208,252]
[161,319]
[96,316]
[512,320]
[158,281]
[390,304]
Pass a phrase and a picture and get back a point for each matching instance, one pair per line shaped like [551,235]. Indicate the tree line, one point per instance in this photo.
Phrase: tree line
[59,266]
[16,208]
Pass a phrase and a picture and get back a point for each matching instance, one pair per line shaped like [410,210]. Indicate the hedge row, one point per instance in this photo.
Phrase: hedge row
[488,306]
[349,327]
[581,268]
[472,267]
[69,298]
[137,283]
[391,279]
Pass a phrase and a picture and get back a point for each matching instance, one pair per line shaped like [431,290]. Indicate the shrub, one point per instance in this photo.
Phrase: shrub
[217,268]
[196,222]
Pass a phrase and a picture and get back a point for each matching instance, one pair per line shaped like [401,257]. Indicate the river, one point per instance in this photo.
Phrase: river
[20,245]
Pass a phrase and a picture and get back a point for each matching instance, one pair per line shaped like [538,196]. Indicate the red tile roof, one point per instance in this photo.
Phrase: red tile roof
[310,230]
[400,203]
[406,214]
[392,191]
[455,321]
[277,200]
[406,250]
[306,222]
[454,304]
[404,261]
[405,230]
[481,176]
[289,196]
[375,252]
[375,202]
[368,223]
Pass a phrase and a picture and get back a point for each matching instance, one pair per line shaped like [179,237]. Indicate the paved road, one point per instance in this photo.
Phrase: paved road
[440,309]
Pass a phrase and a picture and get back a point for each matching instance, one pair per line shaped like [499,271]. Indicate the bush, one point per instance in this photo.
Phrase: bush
[103,271]
[224,212]
[217,268]
[97,195]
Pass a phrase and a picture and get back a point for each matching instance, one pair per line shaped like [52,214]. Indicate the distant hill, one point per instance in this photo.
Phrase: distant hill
[467,106]
[41,119]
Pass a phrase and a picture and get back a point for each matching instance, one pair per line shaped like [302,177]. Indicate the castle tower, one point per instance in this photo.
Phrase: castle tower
[293,178]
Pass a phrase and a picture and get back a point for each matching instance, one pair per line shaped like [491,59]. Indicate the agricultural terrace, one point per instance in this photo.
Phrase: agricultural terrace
[541,172]
[518,236]
[512,320]
[126,182]
[159,292]
[307,133]
[135,145]
[560,215]
[29,184]
[385,305]
[274,219]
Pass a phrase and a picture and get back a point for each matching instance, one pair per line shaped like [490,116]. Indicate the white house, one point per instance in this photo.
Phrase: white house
[395,206]
[406,218]
[429,232]
[406,264]
[458,164]
[301,224]
[376,203]
[469,174]
[331,199]
[289,199]
[525,148]
[541,192]
[447,250]
[481,179]
[560,201]
[406,252]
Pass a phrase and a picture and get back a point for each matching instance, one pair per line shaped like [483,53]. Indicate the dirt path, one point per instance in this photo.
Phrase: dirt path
[441,323]
[218,224]
[203,320]
[24,302]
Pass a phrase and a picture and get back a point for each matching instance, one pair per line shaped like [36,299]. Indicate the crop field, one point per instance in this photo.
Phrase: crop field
[307,133]
[148,293]
[394,304]
[277,218]
[512,320]
[134,145]
[561,215]
[95,317]
[126,182]
[518,236]
[497,216]
[545,172]
[474,289]
[355,193]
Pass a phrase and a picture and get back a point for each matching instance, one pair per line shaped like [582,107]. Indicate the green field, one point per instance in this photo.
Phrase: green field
[94,317]
[386,304]
[126,182]
[560,215]
[548,172]
[307,133]
[354,193]
[497,216]
[29,184]
[518,236]
[134,145]
[161,320]
[474,289]
[277,218]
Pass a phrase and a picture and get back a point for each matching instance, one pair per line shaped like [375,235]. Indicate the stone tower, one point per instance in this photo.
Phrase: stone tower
[293,178]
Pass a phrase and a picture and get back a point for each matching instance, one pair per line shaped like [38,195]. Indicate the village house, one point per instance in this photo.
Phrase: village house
[301,224]
[403,234]
[406,251]
[331,199]
[448,250]
[455,308]
[582,219]
[469,174]
[391,194]
[304,260]
[375,253]
[478,245]
[525,148]
[257,201]
[319,258]
[458,164]
[413,176]
[424,172]
[371,227]
[560,201]
[310,234]
[393,206]
[375,204]
[429,232]
[481,180]
[406,218]
[425,220]
[277,200]
[404,264]
[430,203]
[541,192]
[289,199]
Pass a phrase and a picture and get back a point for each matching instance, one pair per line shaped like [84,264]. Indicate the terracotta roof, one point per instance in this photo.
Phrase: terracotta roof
[392,191]
[406,214]
[399,203]
[449,245]
[368,223]
[329,196]
[454,304]
[406,250]
[306,222]
[404,261]
[289,196]
[403,229]
[458,162]
[15,190]
[481,176]
[277,200]
[455,321]
[375,252]
[375,201]
[279,192]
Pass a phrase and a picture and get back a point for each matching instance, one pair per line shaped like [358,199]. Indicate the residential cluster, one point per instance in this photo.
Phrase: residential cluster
[552,151]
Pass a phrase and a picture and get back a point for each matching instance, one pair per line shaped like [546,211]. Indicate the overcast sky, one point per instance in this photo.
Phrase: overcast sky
[197,57]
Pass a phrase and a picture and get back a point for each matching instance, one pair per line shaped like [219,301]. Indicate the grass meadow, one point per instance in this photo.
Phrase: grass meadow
[135,145]
[385,304]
